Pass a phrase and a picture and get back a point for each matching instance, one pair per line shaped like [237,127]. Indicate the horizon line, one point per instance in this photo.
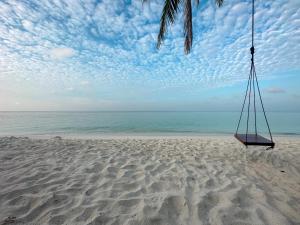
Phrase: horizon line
[139,111]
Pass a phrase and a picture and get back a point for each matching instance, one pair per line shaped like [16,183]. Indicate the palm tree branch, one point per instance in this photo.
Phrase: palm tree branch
[219,2]
[169,12]
[188,26]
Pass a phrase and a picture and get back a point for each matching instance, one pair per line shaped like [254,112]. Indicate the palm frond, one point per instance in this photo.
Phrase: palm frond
[169,12]
[168,17]
[218,2]
[188,26]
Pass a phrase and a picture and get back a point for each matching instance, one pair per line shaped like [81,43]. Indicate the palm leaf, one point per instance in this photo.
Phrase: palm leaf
[188,26]
[219,2]
[168,17]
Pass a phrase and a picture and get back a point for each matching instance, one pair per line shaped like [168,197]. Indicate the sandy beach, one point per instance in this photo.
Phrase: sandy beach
[158,181]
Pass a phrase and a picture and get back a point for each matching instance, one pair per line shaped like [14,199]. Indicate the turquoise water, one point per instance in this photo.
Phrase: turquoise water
[99,123]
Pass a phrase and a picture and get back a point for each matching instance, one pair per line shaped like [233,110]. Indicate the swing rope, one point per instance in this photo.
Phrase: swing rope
[252,80]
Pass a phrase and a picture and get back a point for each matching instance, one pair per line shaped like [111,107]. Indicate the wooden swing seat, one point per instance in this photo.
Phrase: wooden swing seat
[254,139]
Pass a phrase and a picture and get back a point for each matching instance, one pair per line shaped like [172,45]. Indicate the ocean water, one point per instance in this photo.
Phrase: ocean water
[169,123]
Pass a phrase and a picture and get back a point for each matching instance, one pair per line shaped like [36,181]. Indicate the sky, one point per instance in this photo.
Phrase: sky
[101,55]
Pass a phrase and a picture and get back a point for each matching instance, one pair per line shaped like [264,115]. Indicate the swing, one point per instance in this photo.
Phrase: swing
[252,86]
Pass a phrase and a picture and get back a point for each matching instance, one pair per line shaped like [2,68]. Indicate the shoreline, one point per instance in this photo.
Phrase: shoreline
[156,135]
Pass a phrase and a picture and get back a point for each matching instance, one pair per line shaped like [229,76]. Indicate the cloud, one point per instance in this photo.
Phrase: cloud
[114,44]
[27,25]
[296,96]
[70,89]
[85,83]
[62,53]
[117,42]
[275,90]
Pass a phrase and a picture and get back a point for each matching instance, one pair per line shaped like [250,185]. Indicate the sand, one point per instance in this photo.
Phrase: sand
[158,181]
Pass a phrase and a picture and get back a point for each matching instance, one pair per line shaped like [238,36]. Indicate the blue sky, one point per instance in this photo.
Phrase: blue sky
[101,55]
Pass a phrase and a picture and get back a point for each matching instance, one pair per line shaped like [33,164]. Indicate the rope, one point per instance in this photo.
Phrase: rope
[251,84]
[249,102]
[252,50]
[237,129]
[253,23]
[254,102]
[262,105]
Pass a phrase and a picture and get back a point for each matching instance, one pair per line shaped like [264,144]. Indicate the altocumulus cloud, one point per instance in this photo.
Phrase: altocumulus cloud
[113,43]
[275,90]
[61,53]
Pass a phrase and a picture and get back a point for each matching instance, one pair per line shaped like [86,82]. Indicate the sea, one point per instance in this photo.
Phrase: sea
[95,123]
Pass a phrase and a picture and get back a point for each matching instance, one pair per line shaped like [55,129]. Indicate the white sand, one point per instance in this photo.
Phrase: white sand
[148,181]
